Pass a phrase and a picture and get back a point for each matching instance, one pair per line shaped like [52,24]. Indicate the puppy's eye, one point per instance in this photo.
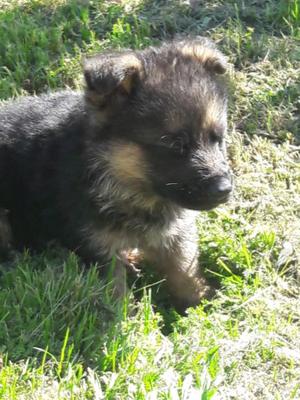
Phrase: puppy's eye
[216,137]
[178,144]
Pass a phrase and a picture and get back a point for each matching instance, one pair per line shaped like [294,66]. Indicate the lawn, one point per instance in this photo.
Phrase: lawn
[61,335]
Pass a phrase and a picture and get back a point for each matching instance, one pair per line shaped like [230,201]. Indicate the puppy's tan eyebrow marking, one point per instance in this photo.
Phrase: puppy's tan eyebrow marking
[213,113]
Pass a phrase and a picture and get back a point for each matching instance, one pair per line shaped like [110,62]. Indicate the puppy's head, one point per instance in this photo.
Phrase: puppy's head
[165,108]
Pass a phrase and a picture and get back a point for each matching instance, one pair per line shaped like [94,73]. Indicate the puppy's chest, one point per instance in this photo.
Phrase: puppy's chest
[133,232]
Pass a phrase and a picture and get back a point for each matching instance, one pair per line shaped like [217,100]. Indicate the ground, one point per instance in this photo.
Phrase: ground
[60,335]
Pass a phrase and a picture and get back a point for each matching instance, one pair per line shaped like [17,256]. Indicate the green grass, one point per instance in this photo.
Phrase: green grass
[61,336]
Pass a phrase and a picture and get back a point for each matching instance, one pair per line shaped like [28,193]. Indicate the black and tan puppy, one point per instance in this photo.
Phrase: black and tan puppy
[124,164]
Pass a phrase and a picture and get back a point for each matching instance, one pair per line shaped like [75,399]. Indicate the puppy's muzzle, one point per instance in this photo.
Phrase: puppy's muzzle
[219,188]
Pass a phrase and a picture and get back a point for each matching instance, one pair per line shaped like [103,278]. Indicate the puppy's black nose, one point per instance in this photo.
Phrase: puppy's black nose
[220,187]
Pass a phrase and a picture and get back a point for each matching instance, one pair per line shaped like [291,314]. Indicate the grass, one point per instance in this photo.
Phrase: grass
[61,336]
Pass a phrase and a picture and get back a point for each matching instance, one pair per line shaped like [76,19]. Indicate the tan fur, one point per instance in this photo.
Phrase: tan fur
[128,165]
[117,241]
[131,65]
[125,176]
[108,241]
[173,252]
[130,61]
[127,66]
[95,99]
[212,114]
[176,258]
[210,57]
[127,162]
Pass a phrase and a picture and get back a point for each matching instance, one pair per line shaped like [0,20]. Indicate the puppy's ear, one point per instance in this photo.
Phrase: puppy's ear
[204,51]
[111,74]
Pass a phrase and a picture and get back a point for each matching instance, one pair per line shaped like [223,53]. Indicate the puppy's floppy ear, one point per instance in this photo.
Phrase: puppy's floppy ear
[110,73]
[204,51]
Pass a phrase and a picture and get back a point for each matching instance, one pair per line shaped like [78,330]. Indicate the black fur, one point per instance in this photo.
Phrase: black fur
[55,174]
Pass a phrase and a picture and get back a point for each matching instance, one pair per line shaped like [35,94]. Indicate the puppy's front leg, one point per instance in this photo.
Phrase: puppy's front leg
[177,260]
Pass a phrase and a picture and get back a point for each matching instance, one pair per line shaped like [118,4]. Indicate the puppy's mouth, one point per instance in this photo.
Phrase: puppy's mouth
[197,200]
[204,204]
[213,203]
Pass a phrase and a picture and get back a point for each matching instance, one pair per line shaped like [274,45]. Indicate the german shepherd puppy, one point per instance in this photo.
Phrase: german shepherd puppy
[124,165]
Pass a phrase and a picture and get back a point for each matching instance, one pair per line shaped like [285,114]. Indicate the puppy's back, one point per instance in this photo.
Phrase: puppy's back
[39,138]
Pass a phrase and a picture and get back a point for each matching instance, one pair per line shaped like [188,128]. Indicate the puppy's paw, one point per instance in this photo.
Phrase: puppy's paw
[192,295]
[131,260]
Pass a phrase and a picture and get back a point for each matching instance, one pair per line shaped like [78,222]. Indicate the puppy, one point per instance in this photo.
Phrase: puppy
[124,165]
